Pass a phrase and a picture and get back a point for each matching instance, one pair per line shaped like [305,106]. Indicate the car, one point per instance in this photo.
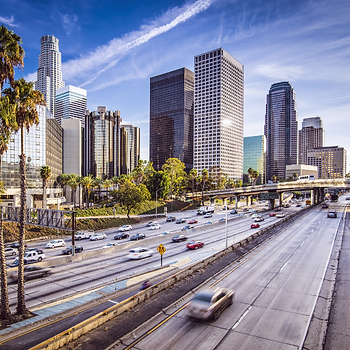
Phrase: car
[332,214]
[98,236]
[139,253]
[31,272]
[193,221]
[83,235]
[324,206]
[10,251]
[208,215]
[125,228]
[280,215]
[137,237]
[110,245]
[179,238]
[287,205]
[259,218]
[233,211]
[254,225]
[170,218]
[180,221]
[208,223]
[272,214]
[278,209]
[68,251]
[16,245]
[222,220]
[194,245]
[225,208]
[187,227]
[155,227]
[150,223]
[121,235]
[208,304]
[254,216]
[347,198]
[245,209]
[298,205]
[166,233]
[56,243]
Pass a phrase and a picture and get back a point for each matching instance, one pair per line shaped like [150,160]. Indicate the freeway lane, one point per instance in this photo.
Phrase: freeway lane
[276,290]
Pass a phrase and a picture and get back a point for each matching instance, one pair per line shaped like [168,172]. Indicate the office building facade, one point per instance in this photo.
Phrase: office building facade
[129,148]
[311,136]
[71,102]
[218,114]
[254,156]
[281,130]
[331,161]
[171,117]
[49,73]
[101,143]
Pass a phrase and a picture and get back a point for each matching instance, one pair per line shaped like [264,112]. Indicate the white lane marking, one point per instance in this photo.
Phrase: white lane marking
[241,318]
[285,264]
[114,302]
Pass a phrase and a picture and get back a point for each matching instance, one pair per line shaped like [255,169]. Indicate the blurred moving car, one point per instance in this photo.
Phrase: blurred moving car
[98,236]
[194,245]
[180,221]
[179,238]
[31,272]
[233,211]
[193,221]
[278,209]
[332,214]
[324,206]
[16,245]
[139,253]
[110,245]
[137,237]
[272,214]
[155,227]
[208,215]
[259,218]
[68,251]
[208,223]
[83,235]
[208,304]
[170,218]
[10,251]
[280,215]
[222,220]
[187,227]
[254,225]
[121,235]
[56,243]
[125,228]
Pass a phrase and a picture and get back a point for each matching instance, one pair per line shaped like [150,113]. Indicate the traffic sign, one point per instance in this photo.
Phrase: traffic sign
[268,195]
[161,249]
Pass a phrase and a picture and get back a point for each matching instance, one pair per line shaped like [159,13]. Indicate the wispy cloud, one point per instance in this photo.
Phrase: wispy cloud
[69,23]
[278,71]
[107,56]
[8,21]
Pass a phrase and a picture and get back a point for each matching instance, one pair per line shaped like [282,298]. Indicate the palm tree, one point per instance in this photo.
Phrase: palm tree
[25,100]
[193,175]
[45,173]
[87,183]
[63,180]
[97,183]
[205,176]
[255,176]
[11,56]
[107,184]
[73,184]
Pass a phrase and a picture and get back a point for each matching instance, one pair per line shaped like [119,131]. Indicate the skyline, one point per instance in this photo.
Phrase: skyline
[112,49]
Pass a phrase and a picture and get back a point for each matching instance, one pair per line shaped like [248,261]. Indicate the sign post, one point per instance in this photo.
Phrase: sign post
[161,251]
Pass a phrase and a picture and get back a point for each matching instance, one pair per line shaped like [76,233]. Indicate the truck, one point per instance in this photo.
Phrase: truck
[308,202]
[205,210]
[31,256]
[83,235]
[334,197]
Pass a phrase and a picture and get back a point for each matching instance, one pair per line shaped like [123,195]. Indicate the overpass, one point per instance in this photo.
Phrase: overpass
[276,190]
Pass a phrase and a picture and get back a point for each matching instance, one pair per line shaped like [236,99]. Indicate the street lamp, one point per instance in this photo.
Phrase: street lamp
[226,222]
[157,200]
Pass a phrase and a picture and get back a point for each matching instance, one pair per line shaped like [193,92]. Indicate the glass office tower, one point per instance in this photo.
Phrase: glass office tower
[129,148]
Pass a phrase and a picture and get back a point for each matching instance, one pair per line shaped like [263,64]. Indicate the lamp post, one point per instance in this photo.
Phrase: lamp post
[226,222]
[157,200]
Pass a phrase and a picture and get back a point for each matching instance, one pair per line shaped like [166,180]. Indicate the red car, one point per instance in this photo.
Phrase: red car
[272,214]
[256,225]
[193,221]
[195,245]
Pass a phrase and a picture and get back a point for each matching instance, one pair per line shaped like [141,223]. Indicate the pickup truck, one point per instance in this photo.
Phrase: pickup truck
[31,256]
[83,235]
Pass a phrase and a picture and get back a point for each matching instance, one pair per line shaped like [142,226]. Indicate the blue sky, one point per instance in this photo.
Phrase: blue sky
[112,48]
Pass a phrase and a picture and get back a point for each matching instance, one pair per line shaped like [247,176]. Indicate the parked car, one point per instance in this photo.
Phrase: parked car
[193,221]
[110,245]
[208,215]
[180,221]
[233,211]
[324,206]
[125,228]
[98,236]
[188,227]
[179,238]
[280,215]
[68,251]
[259,218]
[170,218]
[10,251]
[272,214]
[137,237]
[30,272]
[140,253]
[210,303]
[194,245]
[56,243]
[254,225]
[332,214]
[121,235]
[155,227]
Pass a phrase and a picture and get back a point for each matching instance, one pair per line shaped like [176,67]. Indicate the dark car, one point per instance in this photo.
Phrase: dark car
[137,237]
[16,245]
[188,227]
[31,272]
[121,235]
[180,221]
[68,251]
[179,238]
[278,209]
[324,206]
[170,218]
[233,211]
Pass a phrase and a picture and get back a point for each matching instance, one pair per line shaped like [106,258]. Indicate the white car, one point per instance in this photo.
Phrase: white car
[207,215]
[56,243]
[10,251]
[155,227]
[254,216]
[110,245]
[125,228]
[280,215]
[140,253]
[97,236]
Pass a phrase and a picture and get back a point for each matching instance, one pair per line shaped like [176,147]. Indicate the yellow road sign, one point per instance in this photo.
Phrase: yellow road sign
[161,249]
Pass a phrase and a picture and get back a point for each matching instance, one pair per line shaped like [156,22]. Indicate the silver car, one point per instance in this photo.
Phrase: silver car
[10,251]
[97,236]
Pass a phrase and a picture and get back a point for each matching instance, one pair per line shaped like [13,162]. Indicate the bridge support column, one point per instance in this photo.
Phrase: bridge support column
[271,203]
[321,199]
[238,200]
[280,199]
[251,200]
[248,199]
[312,196]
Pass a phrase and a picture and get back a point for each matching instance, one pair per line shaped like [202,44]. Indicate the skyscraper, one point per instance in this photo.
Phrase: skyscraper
[281,129]
[129,148]
[218,114]
[171,117]
[311,136]
[49,74]
[70,103]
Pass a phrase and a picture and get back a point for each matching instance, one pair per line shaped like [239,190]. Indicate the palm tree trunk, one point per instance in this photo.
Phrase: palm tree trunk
[44,193]
[21,306]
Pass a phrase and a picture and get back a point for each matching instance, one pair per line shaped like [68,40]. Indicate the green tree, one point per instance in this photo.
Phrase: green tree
[106,184]
[273,178]
[73,183]
[295,176]
[45,173]
[193,175]
[139,172]
[238,183]
[204,179]
[25,100]
[159,181]
[255,176]
[175,170]
[63,181]
[130,196]
[97,183]
[88,183]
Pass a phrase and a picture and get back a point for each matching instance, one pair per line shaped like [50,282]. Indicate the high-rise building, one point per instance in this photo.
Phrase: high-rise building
[171,117]
[129,148]
[331,161]
[101,143]
[218,114]
[281,129]
[70,103]
[254,156]
[49,74]
[311,136]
